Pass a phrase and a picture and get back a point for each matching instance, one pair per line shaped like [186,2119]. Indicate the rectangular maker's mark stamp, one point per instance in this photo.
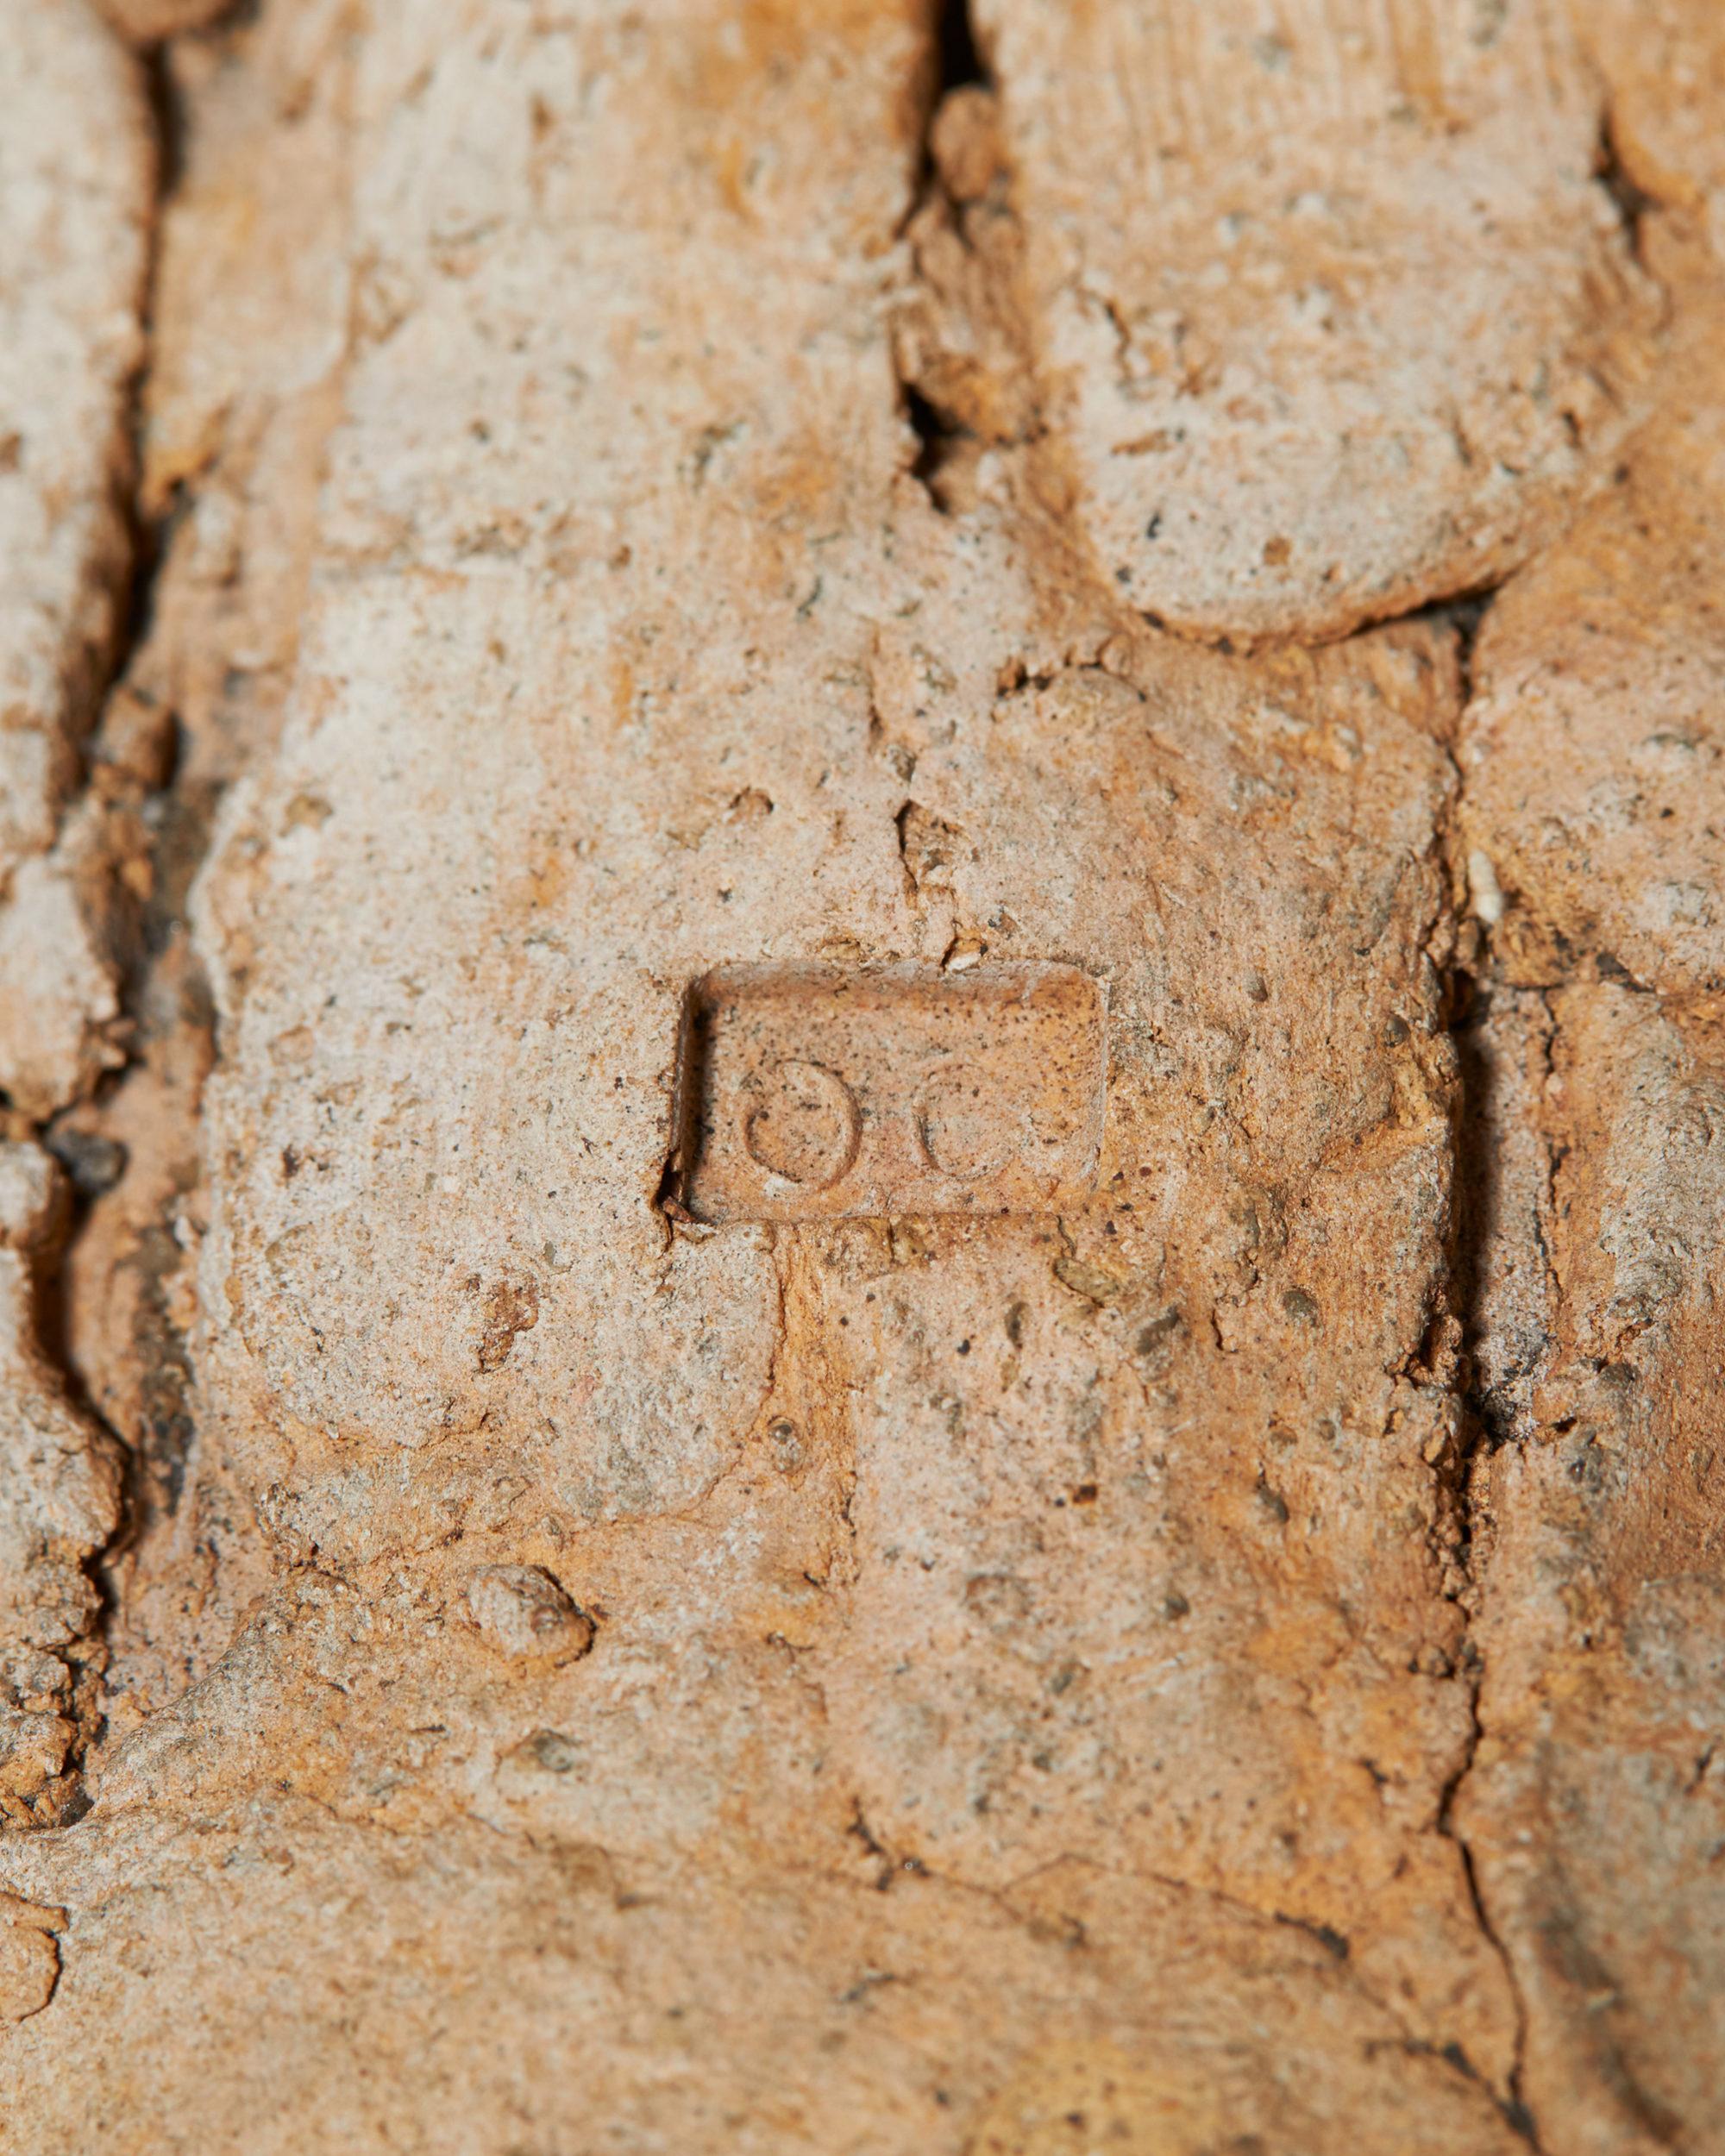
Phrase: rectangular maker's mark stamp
[806,1094]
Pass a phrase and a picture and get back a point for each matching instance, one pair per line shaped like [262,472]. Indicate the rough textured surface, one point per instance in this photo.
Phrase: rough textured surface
[1596,1808]
[29,1960]
[1213,1653]
[58,1492]
[1595,757]
[1327,300]
[74,193]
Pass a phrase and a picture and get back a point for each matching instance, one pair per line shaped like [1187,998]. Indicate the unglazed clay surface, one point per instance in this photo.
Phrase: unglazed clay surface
[861,971]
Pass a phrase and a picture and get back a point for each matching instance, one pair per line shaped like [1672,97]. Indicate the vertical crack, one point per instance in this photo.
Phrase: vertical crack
[198,672]
[958,53]
[1476,1169]
[126,767]
[935,438]
[150,534]
[938,425]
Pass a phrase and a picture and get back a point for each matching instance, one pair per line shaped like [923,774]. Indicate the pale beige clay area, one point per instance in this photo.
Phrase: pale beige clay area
[861,971]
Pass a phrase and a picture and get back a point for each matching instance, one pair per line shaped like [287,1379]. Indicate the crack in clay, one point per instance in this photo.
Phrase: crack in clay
[940,433]
[1007,1897]
[1456,1465]
[92,1164]
[155,1465]
[957,65]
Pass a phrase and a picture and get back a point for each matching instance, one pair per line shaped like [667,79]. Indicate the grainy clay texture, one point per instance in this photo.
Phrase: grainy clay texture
[863,1003]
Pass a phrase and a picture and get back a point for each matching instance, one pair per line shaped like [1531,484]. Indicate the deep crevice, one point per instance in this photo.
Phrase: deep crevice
[1466,614]
[89,1164]
[958,56]
[936,437]
[1477,1221]
[149,536]
[958,65]
[1466,988]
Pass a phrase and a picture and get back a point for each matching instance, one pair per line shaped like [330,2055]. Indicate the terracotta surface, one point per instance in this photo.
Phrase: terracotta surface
[863,1259]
